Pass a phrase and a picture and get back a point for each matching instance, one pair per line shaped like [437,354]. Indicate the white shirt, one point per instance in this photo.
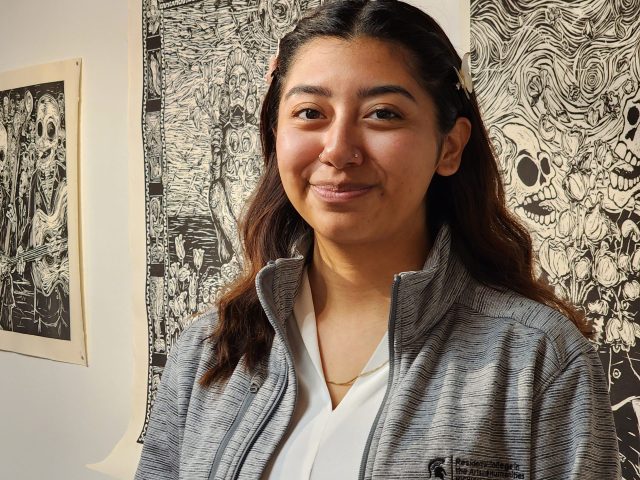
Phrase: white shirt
[322,443]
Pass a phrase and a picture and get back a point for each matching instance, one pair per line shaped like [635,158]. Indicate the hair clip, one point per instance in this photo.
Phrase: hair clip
[271,71]
[273,65]
[464,76]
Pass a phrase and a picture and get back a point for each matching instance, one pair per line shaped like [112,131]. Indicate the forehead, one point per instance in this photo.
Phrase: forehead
[362,59]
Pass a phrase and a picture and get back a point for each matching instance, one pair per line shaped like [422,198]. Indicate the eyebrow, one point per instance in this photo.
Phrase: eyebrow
[362,93]
[384,89]
[309,89]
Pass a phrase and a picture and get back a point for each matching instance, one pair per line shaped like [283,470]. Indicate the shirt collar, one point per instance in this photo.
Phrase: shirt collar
[305,318]
[423,297]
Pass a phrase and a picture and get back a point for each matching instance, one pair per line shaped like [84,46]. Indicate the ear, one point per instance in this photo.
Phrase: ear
[453,145]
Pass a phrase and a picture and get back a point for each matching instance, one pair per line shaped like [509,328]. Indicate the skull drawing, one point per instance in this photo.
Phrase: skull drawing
[528,176]
[47,127]
[625,175]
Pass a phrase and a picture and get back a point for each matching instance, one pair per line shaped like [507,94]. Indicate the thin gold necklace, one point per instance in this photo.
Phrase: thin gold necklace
[363,374]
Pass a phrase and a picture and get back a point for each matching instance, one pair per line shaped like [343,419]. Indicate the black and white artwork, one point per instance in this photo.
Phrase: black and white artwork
[35,272]
[559,87]
[34,297]
[204,68]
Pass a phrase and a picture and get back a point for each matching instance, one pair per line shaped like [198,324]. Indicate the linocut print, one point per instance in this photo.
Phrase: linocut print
[37,154]
[559,87]
[204,68]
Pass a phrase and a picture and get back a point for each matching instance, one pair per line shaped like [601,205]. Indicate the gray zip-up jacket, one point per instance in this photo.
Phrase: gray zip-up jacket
[483,384]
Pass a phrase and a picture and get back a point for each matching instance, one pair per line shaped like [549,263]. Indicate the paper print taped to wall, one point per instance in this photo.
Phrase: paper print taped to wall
[204,68]
[38,150]
[559,86]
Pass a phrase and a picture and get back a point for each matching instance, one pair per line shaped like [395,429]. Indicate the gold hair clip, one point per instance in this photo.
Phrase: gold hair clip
[464,76]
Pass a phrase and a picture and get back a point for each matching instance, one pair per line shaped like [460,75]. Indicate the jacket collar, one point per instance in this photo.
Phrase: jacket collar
[423,297]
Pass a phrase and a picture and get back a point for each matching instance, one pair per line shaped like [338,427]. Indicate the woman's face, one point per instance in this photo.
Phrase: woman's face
[357,141]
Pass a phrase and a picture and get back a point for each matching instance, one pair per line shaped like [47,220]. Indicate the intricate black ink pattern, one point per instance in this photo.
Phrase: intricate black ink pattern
[558,82]
[34,262]
[204,64]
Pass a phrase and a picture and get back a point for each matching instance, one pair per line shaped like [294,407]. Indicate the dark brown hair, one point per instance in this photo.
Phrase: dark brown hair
[493,245]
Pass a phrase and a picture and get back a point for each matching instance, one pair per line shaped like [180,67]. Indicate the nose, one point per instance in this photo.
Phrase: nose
[341,145]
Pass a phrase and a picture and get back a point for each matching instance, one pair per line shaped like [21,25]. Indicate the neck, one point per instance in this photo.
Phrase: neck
[352,283]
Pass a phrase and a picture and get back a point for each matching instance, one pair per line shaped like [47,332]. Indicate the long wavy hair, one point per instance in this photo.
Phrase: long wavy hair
[493,245]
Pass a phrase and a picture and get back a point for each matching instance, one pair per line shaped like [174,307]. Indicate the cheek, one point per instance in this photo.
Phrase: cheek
[407,160]
[297,154]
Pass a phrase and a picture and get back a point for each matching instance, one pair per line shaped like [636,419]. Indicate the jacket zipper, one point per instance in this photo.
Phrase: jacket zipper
[276,402]
[392,324]
[263,423]
[246,403]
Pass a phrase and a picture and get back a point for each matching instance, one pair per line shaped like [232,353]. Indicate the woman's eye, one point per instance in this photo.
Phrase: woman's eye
[309,114]
[385,114]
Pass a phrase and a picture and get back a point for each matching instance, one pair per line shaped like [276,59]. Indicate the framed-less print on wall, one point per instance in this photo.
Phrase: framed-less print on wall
[41,310]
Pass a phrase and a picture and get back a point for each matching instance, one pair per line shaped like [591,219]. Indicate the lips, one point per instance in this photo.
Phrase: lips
[340,191]
[537,208]
[625,175]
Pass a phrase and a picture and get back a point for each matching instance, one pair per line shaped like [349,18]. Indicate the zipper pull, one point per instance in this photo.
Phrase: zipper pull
[254,387]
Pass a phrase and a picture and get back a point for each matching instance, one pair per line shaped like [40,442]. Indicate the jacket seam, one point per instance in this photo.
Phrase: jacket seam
[552,379]
[561,365]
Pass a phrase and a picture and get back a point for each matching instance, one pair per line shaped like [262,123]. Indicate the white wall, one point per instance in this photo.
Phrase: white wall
[55,418]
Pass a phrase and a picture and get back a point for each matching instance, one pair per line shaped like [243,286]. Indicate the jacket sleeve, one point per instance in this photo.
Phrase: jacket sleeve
[573,432]
[160,458]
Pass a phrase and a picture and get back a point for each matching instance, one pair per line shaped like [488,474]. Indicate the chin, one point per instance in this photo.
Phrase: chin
[347,233]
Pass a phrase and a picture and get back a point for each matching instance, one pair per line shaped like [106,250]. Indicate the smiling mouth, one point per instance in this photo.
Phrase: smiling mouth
[626,173]
[536,208]
[340,192]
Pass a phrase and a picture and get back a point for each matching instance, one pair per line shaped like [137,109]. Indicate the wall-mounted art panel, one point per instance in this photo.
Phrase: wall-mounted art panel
[559,85]
[40,284]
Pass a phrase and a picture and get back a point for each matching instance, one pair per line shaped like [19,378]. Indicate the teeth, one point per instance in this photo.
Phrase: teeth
[536,218]
[627,184]
[628,157]
[536,198]
[614,180]
[546,193]
[554,194]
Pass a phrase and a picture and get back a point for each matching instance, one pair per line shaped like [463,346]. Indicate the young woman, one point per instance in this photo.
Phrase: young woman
[389,323]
